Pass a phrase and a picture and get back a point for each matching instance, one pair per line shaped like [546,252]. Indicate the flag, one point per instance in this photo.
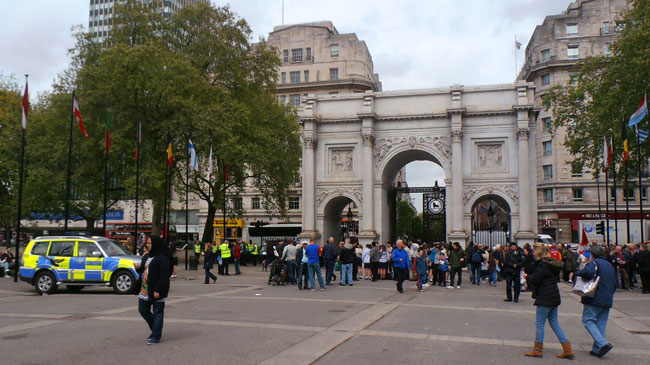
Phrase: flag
[517,44]
[137,147]
[170,156]
[606,158]
[584,241]
[227,172]
[624,135]
[610,154]
[25,106]
[210,165]
[640,113]
[77,114]
[643,135]
[107,133]
[194,160]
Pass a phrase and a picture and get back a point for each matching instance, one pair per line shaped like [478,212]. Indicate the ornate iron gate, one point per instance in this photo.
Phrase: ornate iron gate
[434,208]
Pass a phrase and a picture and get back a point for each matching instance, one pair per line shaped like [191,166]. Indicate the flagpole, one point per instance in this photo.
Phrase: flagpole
[600,214]
[187,198]
[137,184]
[625,189]
[105,174]
[615,194]
[165,232]
[638,140]
[607,203]
[67,184]
[516,63]
[20,188]
[225,178]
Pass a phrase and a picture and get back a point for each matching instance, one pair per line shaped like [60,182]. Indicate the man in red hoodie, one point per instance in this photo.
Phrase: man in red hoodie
[236,256]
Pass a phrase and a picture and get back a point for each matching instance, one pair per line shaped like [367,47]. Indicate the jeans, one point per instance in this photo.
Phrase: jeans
[422,279]
[455,271]
[315,267]
[346,274]
[155,319]
[550,314]
[401,274]
[476,273]
[513,278]
[291,271]
[237,266]
[594,319]
[302,273]
[329,271]
[6,266]
[208,276]
[492,275]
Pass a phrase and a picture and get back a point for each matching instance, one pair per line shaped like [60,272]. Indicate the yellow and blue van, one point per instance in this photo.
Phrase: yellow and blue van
[77,262]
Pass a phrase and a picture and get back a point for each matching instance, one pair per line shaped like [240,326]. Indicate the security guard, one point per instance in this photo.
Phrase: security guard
[197,249]
[225,256]
[252,247]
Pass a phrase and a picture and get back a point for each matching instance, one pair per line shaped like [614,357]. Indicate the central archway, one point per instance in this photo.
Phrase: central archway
[393,164]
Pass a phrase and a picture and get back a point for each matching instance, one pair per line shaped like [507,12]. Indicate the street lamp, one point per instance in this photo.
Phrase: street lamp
[349,216]
[490,214]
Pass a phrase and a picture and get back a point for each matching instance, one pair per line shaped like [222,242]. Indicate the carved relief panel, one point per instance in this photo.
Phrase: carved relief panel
[340,161]
[489,157]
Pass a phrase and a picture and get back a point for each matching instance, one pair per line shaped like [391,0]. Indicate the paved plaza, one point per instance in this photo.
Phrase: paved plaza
[241,320]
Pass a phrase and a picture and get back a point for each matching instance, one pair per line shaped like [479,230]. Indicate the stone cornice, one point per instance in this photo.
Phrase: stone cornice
[457,111]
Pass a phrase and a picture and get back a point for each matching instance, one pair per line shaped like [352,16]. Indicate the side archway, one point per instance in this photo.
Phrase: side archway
[332,208]
[491,221]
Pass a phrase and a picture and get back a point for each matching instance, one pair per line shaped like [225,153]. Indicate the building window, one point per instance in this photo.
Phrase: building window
[547,124]
[548,172]
[644,194]
[283,77]
[572,52]
[576,169]
[573,76]
[295,77]
[308,51]
[607,49]
[255,203]
[546,55]
[548,195]
[283,99]
[285,55]
[238,203]
[548,148]
[606,28]
[612,194]
[294,203]
[296,55]
[306,75]
[334,50]
[334,73]
[294,100]
[546,80]
[628,194]
[572,29]
[577,194]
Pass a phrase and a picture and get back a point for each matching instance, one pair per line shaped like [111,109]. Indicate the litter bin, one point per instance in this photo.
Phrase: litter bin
[194,263]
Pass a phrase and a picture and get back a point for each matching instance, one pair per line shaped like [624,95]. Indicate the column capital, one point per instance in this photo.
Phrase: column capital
[310,141]
[368,139]
[456,136]
[522,134]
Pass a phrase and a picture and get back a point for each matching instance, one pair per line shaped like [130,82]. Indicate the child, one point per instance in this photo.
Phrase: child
[421,268]
[492,270]
[443,268]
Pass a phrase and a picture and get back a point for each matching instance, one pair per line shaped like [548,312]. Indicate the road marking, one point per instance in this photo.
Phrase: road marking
[435,306]
[28,326]
[301,300]
[286,327]
[34,315]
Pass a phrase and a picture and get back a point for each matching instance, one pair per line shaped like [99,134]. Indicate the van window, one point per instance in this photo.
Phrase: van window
[62,248]
[40,248]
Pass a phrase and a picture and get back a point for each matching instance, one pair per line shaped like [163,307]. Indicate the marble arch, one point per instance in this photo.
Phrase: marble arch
[353,144]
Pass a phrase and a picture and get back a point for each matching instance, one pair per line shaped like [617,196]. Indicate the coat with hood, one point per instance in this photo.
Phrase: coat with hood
[543,282]
[347,254]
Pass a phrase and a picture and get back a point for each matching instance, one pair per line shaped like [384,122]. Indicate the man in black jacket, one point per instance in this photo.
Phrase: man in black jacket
[330,252]
[513,264]
[155,270]
[642,261]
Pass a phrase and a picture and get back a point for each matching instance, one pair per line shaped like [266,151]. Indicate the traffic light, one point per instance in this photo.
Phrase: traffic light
[600,228]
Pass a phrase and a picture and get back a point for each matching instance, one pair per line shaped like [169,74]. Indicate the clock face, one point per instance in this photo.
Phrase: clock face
[435,206]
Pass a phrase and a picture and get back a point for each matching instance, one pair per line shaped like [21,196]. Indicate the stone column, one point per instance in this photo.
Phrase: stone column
[367,229]
[309,186]
[457,181]
[524,182]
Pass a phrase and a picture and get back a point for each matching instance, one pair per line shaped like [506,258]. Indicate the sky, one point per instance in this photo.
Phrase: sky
[414,43]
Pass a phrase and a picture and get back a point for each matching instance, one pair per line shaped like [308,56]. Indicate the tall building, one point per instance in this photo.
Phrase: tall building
[567,194]
[100,17]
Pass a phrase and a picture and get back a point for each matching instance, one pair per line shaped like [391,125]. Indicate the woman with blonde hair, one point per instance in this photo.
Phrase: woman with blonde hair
[543,284]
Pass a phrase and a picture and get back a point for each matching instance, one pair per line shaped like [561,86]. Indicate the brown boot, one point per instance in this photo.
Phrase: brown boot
[537,350]
[568,353]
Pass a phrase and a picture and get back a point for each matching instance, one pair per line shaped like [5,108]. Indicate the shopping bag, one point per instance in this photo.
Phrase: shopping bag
[586,288]
[337,266]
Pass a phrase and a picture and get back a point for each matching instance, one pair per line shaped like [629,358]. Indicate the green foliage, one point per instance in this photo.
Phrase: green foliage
[10,135]
[606,91]
[409,223]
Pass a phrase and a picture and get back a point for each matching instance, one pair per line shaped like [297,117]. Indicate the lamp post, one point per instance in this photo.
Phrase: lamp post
[350,223]
[490,214]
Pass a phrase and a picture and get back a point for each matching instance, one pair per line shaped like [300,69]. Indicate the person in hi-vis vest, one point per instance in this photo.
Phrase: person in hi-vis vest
[226,256]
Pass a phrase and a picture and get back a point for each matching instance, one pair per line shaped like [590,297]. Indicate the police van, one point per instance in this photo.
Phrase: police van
[77,262]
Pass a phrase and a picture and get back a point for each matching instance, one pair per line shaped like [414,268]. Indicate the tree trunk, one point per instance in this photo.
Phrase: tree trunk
[208,230]
[156,223]
[90,225]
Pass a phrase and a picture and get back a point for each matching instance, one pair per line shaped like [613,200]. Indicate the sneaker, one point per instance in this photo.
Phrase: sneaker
[312,289]
[604,350]
[152,341]
[173,276]
[341,284]
[450,287]
[421,290]
[425,285]
[458,287]
[322,289]
[350,284]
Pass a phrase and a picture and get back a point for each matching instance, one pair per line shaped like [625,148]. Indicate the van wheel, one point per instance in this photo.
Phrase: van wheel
[45,283]
[123,282]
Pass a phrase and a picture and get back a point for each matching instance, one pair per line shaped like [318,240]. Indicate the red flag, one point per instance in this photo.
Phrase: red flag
[584,241]
[227,172]
[25,106]
[610,154]
[77,114]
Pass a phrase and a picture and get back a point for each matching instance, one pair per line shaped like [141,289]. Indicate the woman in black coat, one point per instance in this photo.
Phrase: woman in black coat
[543,284]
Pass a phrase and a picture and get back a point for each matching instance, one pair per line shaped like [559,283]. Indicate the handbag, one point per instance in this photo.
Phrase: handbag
[587,288]
[337,266]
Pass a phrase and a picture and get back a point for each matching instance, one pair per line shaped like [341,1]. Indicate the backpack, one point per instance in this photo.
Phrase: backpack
[476,257]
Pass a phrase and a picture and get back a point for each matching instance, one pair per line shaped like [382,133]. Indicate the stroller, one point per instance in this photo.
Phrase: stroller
[278,275]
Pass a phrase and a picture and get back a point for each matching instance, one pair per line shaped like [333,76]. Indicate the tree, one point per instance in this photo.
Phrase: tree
[10,135]
[405,216]
[606,91]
